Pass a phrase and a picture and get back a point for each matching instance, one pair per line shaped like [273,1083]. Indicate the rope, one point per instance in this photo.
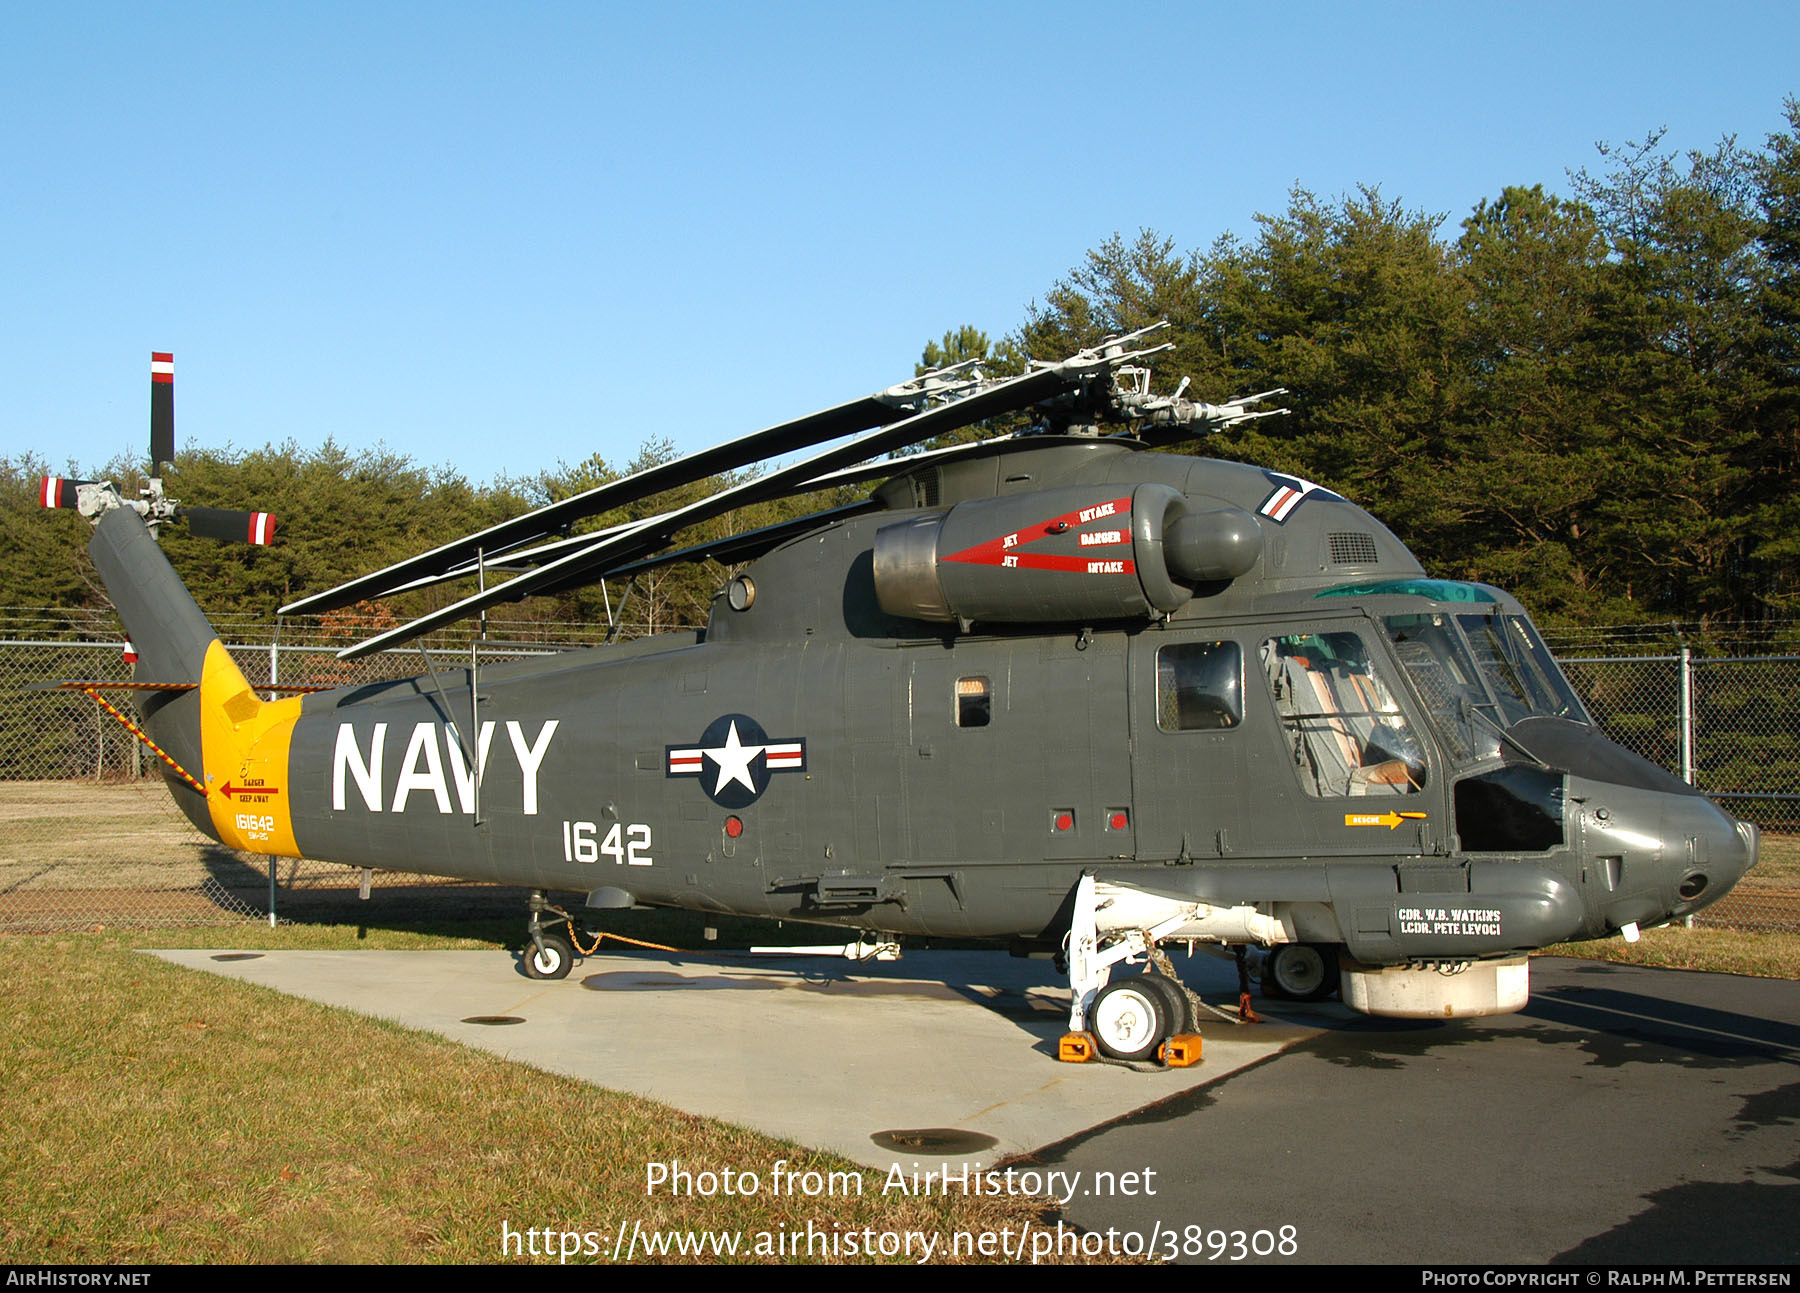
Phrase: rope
[143,736]
[600,936]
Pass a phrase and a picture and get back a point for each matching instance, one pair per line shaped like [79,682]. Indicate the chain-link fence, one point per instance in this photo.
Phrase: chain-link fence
[1729,726]
[89,835]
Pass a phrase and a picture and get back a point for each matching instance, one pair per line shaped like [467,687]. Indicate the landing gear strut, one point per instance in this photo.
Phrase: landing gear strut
[1144,1017]
[549,953]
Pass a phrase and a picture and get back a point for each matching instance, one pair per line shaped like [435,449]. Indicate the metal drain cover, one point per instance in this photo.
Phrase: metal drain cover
[934,1140]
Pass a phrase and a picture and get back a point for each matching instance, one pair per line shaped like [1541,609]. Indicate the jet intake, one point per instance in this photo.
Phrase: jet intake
[1076,555]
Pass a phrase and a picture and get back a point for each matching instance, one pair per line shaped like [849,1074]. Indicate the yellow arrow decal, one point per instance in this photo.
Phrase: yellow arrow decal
[1388,819]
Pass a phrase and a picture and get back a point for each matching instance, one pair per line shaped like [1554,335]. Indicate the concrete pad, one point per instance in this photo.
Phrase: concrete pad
[939,1058]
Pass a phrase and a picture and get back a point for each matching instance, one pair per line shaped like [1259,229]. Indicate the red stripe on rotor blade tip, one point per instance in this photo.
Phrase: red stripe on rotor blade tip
[52,491]
[162,366]
[262,527]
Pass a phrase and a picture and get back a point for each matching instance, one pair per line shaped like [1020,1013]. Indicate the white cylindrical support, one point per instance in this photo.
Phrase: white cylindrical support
[1687,716]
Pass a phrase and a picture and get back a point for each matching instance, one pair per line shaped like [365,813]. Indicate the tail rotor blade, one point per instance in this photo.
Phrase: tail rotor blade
[162,410]
[256,528]
[58,492]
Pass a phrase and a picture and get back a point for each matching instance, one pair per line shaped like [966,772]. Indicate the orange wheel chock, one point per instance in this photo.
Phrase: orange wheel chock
[1181,1050]
[1076,1048]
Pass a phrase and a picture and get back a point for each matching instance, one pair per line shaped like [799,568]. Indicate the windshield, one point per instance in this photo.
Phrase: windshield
[1478,682]
[1518,669]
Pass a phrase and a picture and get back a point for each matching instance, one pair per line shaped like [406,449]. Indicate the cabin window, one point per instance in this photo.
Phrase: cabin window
[974,702]
[1346,732]
[1199,686]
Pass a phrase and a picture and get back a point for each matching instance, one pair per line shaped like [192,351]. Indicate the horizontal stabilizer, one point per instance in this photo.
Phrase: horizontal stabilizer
[113,684]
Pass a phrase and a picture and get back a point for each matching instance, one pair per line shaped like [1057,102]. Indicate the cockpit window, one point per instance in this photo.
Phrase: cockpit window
[1198,686]
[1447,680]
[1347,733]
[1478,682]
[1518,668]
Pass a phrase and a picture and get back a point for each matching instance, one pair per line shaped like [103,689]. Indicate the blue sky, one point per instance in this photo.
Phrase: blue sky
[501,236]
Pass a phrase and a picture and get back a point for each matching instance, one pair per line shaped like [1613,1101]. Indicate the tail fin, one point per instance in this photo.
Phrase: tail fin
[230,740]
[161,617]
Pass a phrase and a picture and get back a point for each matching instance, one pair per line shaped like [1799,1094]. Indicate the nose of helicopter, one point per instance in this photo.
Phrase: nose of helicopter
[1652,857]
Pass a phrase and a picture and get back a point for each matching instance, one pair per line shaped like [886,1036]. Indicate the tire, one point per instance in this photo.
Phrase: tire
[1129,1019]
[552,961]
[1178,1012]
[1300,972]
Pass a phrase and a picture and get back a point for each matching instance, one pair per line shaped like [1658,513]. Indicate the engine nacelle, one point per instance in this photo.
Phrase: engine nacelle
[1077,555]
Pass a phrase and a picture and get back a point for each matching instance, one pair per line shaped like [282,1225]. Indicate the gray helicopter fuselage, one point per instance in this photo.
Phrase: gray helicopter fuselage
[887,726]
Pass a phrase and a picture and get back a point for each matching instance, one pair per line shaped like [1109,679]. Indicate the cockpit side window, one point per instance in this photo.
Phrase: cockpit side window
[1199,686]
[1346,731]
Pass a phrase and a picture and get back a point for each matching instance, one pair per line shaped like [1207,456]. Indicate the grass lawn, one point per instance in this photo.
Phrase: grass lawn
[157,1114]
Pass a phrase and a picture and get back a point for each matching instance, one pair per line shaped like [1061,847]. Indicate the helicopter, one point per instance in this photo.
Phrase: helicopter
[1055,688]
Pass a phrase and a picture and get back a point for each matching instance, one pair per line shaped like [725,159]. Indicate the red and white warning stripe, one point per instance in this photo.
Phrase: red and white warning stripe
[162,366]
[786,754]
[262,527]
[53,492]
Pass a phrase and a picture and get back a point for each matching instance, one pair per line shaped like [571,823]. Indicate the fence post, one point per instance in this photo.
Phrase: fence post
[274,678]
[1686,720]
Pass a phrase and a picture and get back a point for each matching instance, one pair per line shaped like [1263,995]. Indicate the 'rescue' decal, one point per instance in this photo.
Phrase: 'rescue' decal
[1388,819]
[433,762]
[1006,552]
[734,760]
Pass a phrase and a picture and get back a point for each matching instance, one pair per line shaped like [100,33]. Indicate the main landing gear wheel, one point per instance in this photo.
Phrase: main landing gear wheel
[1300,972]
[1178,1014]
[1130,1019]
[552,960]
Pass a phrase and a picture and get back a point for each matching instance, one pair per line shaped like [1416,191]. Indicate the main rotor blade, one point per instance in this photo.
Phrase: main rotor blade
[520,560]
[749,545]
[609,553]
[514,562]
[828,424]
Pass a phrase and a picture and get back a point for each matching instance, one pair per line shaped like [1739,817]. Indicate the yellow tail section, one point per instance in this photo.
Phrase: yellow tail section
[244,742]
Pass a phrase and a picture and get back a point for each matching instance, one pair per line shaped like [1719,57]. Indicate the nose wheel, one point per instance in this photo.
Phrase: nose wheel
[549,952]
[550,957]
